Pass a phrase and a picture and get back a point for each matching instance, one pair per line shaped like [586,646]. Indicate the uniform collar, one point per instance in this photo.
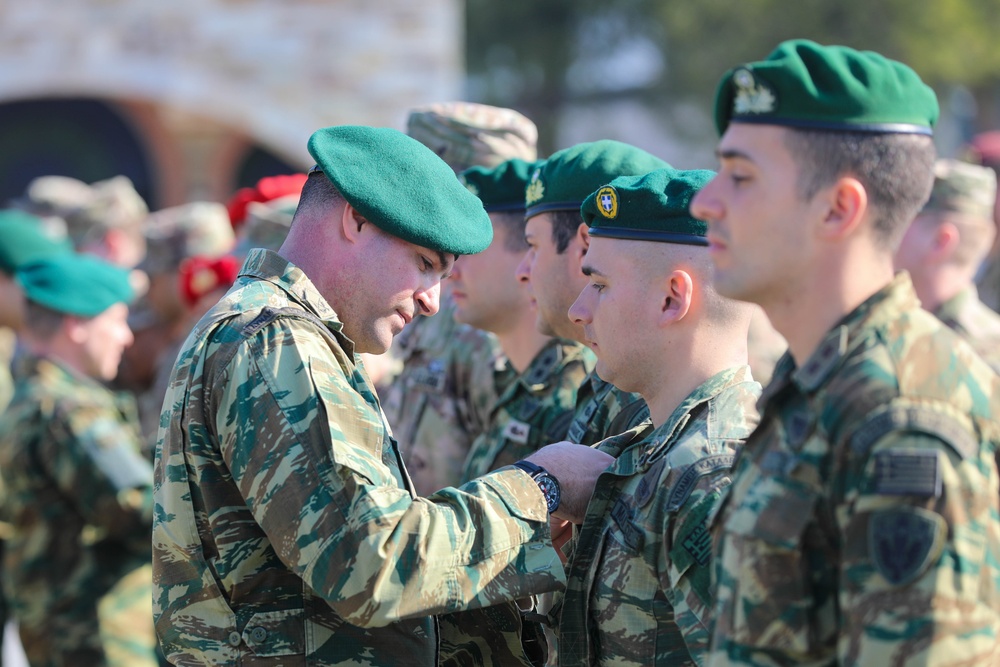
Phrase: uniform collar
[543,369]
[271,267]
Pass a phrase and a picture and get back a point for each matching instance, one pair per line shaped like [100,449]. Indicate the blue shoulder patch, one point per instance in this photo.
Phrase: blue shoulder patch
[903,542]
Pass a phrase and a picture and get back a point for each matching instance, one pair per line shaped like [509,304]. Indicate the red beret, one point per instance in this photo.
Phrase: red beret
[267,189]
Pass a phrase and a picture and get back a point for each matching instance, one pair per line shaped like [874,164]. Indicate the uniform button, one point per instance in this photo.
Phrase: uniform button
[258,634]
[235,638]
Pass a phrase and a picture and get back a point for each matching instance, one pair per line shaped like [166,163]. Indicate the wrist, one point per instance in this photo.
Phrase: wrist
[546,481]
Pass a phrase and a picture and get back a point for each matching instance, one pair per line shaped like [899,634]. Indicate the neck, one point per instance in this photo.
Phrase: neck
[522,344]
[941,284]
[56,348]
[806,312]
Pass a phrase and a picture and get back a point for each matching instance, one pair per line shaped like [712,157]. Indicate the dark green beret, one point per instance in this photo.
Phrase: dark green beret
[22,241]
[805,85]
[651,207]
[500,188]
[564,180]
[80,285]
[402,187]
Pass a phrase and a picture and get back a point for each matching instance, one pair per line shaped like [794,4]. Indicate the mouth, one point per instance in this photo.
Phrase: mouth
[715,244]
[457,294]
[406,318]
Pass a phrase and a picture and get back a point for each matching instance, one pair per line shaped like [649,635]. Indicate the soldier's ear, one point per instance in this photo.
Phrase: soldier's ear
[351,223]
[675,298]
[844,206]
[944,240]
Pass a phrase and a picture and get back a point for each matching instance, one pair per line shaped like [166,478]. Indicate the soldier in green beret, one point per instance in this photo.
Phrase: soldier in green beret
[442,377]
[637,582]
[861,526]
[286,527]
[78,495]
[943,248]
[558,240]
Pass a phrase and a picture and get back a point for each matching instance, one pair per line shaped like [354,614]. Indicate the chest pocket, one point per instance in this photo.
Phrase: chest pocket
[765,569]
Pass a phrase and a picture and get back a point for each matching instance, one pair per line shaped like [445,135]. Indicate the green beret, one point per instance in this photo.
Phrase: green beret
[960,187]
[80,285]
[401,187]
[564,180]
[502,187]
[805,85]
[651,207]
[22,241]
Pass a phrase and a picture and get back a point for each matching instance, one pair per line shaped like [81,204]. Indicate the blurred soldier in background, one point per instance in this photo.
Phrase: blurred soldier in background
[451,374]
[945,245]
[984,150]
[77,493]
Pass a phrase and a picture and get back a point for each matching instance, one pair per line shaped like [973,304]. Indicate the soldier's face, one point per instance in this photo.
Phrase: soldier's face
[395,281]
[485,288]
[617,311]
[758,226]
[554,279]
[103,339]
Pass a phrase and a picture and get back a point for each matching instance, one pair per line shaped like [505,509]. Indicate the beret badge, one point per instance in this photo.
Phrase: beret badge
[607,200]
[751,97]
[535,190]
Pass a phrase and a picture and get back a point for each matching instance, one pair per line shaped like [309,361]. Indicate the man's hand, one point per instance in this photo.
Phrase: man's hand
[577,468]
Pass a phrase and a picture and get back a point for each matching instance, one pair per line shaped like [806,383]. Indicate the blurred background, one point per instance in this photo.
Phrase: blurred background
[192,99]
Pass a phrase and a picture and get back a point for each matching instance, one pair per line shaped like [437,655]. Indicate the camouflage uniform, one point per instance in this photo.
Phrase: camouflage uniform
[7,343]
[286,528]
[603,410]
[637,584]
[79,499]
[453,376]
[862,523]
[535,409]
[965,314]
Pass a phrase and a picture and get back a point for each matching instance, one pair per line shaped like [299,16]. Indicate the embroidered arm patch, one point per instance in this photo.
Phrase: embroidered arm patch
[907,472]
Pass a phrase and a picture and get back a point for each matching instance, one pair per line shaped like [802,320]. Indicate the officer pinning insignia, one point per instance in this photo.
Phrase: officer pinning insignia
[535,190]
[751,96]
[904,541]
[608,200]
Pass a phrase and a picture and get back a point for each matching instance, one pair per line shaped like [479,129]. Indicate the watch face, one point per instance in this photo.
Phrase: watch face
[550,489]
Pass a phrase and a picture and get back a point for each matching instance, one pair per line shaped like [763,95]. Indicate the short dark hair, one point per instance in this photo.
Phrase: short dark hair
[564,227]
[317,192]
[512,223]
[897,171]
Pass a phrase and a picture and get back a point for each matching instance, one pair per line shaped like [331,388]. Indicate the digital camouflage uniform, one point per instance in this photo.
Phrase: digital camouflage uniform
[637,584]
[535,410]
[965,314]
[603,410]
[862,526]
[79,499]
[453,375]
[287,531]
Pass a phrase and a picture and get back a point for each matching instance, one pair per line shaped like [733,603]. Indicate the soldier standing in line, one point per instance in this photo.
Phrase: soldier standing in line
[286,528]
[78,494]
[861,525]
[638,579]
[558,240]
[984,150]
[450,375]
[945,245]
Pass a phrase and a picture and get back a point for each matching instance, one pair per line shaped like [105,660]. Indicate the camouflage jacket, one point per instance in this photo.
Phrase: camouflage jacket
[977,324]
[535,409]
[286,529]
[452,376]
[862,526]
[637,584]
[78,497]
[603,410]
[7,342]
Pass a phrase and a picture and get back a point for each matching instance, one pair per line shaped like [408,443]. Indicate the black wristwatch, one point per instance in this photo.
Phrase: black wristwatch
[548,484]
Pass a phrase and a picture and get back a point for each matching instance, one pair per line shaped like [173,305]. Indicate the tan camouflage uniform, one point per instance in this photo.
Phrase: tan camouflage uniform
[603,410]
[965,314]
[79,498]
[286,528]
[637,584]
[862,524]
[535,409]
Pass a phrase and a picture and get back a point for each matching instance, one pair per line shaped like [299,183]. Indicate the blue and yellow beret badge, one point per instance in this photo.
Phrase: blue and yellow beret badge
[535,190]
[751,96]
[607,200]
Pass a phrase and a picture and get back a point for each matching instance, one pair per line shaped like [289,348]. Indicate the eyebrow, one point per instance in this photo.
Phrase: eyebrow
[732,154]
[443,258]
[589,270]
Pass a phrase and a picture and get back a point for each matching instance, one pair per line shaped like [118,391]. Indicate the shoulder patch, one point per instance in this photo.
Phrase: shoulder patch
[903,542]
[905,472]
[911,418]
[685,485]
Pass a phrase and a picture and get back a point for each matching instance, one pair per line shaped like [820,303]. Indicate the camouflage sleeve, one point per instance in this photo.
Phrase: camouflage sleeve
[313,462]
[916,520]
[94,459]
[685,559]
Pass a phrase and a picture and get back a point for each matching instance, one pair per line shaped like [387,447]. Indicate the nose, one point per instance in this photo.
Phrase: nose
[705,205]
[128,337]
[429,299]
[580,312]
[523,271]
[456,269]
